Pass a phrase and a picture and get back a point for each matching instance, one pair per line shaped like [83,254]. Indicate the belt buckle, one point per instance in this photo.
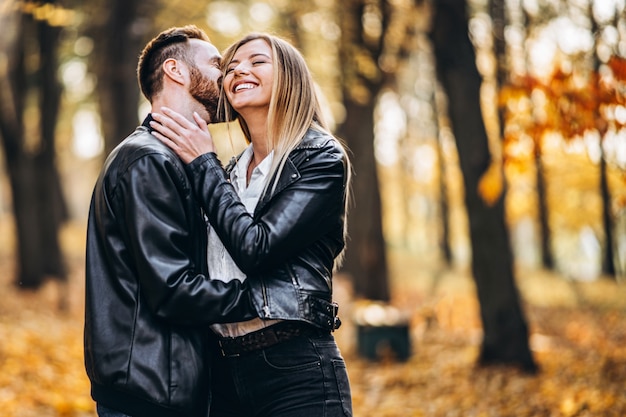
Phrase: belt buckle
[223,352]
[335,319]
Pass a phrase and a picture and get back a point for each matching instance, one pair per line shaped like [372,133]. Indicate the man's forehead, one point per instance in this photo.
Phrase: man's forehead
[205,50]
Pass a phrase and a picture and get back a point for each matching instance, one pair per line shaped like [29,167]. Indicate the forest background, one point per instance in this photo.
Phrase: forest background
[496,235]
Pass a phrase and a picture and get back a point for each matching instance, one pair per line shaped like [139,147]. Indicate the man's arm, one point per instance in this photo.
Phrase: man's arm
[159,229]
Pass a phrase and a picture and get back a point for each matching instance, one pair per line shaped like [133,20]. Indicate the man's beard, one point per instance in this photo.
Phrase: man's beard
[206,91]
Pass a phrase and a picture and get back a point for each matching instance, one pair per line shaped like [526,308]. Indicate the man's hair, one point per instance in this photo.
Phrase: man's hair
[171,43]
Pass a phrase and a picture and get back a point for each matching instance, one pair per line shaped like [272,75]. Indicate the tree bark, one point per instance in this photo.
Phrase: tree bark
[52,208]
[121,37]
[366,258]
[608,259]
[541,183]
[38,204]
[547,260]
[505,333]
[444,209]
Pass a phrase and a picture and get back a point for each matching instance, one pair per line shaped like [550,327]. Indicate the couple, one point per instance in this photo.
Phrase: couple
[238,320]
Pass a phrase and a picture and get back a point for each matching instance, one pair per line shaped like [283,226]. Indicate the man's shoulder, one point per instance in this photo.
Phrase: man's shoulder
[139,144]
[141,153]
[141,141]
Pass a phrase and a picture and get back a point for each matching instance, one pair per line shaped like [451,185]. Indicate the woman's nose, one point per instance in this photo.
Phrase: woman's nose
[242,68]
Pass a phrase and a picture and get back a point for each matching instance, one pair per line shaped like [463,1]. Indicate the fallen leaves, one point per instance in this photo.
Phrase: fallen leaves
[579,343]
[40,368]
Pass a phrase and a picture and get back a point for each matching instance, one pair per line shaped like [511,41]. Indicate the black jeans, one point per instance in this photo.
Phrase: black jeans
[302,377]
[107,412]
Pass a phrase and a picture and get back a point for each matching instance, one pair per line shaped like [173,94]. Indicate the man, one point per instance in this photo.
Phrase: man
[149,299]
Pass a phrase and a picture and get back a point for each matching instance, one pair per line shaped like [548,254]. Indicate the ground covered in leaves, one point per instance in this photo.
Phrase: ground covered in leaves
[578,337]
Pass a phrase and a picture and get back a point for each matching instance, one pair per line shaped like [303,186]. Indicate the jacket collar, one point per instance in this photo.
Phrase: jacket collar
[290,172]
[146,122]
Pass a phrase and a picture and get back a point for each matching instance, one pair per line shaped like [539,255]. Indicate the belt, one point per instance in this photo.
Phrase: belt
[266,337]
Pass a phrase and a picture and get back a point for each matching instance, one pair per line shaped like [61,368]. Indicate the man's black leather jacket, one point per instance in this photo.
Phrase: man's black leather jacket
[149,300]
[288,247]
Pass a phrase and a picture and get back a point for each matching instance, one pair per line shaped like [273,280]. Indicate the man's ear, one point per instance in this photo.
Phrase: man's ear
[175,70]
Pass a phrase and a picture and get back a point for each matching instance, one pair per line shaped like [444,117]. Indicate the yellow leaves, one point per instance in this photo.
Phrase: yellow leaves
[41,369]
[571,101]
[618,67]
[359,93]
[570,406]
[53,14]
[491,184]
[583,367]
[41,358]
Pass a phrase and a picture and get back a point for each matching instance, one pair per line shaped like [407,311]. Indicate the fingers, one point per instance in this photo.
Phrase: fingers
[202,124]
[163,130]
[183,154]
[168,126]
[187,138]
[178,118]
[165,140]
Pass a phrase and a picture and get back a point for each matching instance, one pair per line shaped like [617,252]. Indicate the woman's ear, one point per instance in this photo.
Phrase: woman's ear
[175,70]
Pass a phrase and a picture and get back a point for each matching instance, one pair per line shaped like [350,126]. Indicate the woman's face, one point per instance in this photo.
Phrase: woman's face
[249,77]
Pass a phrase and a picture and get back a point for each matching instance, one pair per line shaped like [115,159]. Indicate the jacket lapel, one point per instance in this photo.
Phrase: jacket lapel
[289,175]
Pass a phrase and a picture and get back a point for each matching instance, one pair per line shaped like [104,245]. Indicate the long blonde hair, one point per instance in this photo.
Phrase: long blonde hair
[294,106]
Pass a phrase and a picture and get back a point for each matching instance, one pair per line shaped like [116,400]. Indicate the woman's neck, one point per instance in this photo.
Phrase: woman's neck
[257,127]
[260,145]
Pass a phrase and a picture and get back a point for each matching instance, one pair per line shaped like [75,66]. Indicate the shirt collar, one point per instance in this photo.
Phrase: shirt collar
[241,168]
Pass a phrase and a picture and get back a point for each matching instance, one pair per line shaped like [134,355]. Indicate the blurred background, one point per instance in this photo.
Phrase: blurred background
[486,267]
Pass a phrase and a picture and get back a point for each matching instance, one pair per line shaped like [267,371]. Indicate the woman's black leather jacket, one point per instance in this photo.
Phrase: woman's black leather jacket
[288,247]
[149,301]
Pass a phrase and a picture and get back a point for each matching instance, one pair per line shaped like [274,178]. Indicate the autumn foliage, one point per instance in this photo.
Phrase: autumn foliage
[578,334]
[569,102]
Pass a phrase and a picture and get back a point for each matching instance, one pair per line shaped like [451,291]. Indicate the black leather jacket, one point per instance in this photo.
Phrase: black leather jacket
[149,300]
[288,247]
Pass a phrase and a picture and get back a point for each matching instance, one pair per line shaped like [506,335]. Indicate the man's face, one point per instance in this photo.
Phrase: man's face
[206,76]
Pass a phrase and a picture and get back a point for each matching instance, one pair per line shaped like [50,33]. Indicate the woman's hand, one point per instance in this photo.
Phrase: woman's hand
[187,139]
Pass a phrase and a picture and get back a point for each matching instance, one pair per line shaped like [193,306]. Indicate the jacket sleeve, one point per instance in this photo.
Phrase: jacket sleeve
[307,204]
[159,227]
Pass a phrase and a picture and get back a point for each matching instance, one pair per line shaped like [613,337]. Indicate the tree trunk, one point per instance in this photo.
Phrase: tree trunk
[541,183]
[547,260]
[366,259]
[38,205]
[444,209]
[52,209]
[121,38]
[505,338]
[608,261]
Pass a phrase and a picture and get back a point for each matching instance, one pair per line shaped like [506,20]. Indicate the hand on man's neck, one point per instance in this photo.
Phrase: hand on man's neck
[185,109]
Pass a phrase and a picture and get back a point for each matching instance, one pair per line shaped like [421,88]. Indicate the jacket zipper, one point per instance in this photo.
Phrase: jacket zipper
[266,307]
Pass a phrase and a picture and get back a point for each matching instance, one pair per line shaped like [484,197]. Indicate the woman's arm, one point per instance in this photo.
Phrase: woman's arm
[307,205]
[309,200]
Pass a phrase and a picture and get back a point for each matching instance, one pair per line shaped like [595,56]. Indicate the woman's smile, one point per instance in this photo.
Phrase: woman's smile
[249,77]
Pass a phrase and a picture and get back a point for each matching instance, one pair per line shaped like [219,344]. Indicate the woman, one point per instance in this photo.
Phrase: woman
[279,209]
